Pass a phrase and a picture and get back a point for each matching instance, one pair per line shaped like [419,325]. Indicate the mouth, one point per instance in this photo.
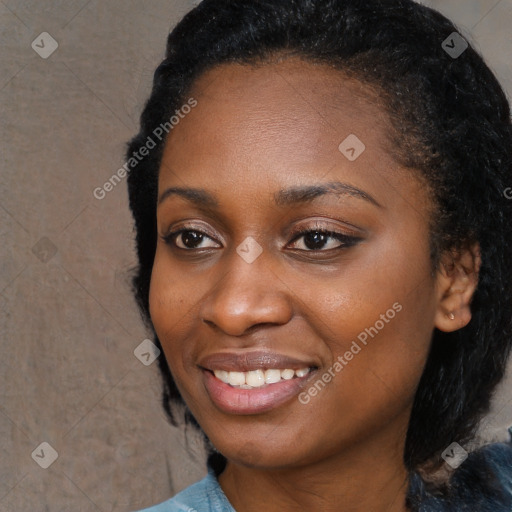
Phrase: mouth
[255,382]
[259,378]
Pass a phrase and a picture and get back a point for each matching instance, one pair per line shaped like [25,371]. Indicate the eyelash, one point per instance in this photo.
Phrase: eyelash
[346,240]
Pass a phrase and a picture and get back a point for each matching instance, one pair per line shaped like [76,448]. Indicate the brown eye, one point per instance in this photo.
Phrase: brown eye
[316,240]
[190,239]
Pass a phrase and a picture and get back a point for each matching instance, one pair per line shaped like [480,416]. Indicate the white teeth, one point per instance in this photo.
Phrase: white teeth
[302,372]
[222,375]
[272,376]
[255,378]
[287,374]
[236,378]
[258,378]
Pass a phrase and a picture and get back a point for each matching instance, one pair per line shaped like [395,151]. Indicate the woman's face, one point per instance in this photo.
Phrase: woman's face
[241,292]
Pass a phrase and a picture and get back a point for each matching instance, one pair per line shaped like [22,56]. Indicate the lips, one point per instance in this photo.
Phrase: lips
[236,397]
[254,360]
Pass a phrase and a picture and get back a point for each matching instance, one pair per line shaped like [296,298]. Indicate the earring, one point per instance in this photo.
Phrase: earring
[451,316]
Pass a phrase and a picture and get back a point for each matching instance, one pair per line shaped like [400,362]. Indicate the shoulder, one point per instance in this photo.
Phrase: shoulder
[482,483]
[486,479]
[205,495]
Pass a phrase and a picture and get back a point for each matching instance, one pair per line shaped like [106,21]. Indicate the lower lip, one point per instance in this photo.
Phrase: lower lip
[252,401]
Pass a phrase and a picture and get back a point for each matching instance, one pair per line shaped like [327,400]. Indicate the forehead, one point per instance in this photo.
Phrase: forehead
[285,119]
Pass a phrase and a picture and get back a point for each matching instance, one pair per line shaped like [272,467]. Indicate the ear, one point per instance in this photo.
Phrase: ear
[456,282]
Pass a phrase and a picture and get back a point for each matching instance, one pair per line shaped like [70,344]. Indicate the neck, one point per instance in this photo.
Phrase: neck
[362,478]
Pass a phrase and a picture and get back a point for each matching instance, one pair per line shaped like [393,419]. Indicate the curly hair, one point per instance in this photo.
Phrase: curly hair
[451,127]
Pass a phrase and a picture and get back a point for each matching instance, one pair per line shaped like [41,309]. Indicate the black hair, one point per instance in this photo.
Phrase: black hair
[451,126]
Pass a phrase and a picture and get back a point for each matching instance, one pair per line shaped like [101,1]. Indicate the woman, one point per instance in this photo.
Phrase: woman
[323,244]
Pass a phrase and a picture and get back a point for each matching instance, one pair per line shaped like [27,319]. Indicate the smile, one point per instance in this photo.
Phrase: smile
[255,381]
[258,378]
[242,398]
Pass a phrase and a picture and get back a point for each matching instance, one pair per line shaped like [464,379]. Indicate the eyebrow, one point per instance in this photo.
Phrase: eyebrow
[284,197]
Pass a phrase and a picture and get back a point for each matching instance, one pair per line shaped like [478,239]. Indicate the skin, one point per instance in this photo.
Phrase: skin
[254,132]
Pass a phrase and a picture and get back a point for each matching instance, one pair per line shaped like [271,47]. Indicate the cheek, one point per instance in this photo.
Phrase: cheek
[378,318]
[376,366]
[171,306]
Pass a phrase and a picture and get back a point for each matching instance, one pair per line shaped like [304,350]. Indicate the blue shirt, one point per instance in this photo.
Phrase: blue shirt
[203,496]
[483,483]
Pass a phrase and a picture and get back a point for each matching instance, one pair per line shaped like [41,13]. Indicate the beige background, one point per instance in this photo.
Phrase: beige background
[68,323]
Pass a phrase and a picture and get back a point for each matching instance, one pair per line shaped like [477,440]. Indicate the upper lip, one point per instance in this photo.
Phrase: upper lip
[251,360]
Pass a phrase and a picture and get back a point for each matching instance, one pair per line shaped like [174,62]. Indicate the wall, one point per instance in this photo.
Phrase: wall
[68,324]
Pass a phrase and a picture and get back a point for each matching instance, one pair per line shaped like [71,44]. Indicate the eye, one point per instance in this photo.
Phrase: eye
[189,239]
[315,239]
[318,239]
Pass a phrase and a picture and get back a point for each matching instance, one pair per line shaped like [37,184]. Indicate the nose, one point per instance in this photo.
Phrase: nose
[248,296]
